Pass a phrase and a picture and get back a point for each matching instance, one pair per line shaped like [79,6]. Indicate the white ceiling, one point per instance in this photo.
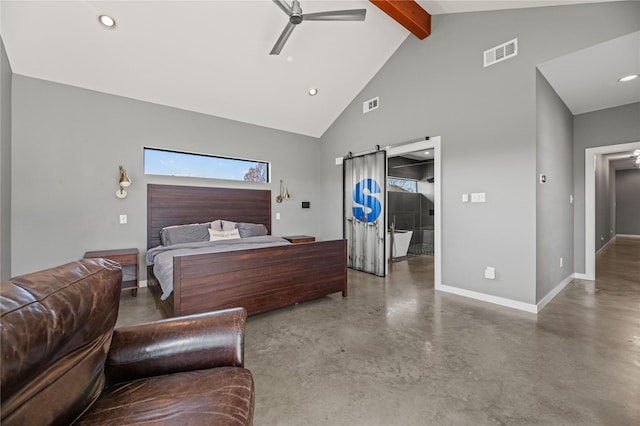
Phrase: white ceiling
[213,56]
[587,80]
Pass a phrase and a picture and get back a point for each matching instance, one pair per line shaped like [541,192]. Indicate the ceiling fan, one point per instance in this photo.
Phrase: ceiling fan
[296,16]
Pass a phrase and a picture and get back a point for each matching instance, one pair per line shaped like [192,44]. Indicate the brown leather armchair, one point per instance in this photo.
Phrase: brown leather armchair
[63,362]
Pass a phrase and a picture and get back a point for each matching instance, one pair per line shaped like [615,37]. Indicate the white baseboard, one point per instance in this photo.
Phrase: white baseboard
[605,246]
[628,235]
[521,306]
[580,276]
[142,283]
[553,293]
[510,303]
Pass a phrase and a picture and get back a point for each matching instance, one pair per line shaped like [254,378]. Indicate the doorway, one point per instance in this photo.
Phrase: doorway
[590,202]
[433,240]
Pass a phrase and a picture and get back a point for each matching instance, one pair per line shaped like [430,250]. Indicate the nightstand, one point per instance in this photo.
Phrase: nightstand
[295,239]
[128,259]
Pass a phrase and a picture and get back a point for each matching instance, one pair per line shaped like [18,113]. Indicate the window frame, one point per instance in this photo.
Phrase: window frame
[212,157]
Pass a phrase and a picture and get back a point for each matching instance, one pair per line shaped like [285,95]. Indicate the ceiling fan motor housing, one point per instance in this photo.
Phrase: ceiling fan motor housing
[296,13]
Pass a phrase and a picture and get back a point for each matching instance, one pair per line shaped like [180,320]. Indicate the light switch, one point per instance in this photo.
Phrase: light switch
[277,216]
[478,197]
[123,219]
[465,198]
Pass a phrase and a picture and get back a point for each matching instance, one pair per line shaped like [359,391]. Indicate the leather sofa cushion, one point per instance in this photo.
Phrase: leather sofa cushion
[178,399]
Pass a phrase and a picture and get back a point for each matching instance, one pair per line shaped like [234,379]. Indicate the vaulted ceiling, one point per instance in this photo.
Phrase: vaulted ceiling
[213,56]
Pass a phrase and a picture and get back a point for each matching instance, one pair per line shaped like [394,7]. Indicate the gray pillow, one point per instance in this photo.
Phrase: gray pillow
[228,225]
[184,234]
[251,229]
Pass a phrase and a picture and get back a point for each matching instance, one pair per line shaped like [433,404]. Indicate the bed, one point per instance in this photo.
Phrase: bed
[258,279]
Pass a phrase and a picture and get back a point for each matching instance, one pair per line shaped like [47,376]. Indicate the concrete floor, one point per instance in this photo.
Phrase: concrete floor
[395,352]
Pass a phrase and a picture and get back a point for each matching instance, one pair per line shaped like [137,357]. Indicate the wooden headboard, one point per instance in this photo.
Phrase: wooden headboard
[169,205]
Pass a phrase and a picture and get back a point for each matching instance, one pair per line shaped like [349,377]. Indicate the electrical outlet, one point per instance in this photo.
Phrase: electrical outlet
[123,219]
[490,273]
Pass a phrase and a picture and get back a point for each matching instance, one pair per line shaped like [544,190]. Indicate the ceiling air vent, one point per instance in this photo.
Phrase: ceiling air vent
[370,105]
[500,53]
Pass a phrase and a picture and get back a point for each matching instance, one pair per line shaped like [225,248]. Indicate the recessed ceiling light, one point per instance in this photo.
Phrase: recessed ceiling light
[107,21]
[628,78]
[289,58]
[426,153]
[313,92]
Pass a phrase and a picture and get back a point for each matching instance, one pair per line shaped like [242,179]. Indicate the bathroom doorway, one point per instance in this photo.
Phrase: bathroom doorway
[414,206]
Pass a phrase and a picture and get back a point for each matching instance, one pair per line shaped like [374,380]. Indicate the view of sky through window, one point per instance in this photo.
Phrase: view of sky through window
[172,163]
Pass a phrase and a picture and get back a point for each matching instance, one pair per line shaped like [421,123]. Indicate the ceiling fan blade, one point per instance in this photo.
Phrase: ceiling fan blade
[336,15]
[284,6]
[282,39]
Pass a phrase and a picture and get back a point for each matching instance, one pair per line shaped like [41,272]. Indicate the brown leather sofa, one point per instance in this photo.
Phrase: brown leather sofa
[63,363]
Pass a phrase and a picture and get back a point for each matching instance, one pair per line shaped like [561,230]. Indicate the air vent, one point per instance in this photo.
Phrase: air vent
[500,53]
[370,105]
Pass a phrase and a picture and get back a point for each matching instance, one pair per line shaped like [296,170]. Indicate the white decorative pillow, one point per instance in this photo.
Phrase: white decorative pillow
[223,235]
[216,225]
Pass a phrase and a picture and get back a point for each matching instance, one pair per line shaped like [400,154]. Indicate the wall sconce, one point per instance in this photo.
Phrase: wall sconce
[124,182]
[284,193]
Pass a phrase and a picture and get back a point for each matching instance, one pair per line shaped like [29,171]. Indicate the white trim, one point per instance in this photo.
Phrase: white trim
[553,293]
[437,174]
[521,306]
[433,143]
[509,303]
[605,246]
[590,202]
[579,276]
[627,235]
[142,284]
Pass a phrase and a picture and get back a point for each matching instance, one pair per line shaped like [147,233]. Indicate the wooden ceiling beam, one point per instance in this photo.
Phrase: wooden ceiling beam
[409,14]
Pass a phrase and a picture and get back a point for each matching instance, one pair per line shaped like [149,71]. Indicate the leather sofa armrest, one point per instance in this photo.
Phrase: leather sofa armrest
[187,343]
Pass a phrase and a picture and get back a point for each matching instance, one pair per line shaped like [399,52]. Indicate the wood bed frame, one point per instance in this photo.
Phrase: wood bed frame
[260,279]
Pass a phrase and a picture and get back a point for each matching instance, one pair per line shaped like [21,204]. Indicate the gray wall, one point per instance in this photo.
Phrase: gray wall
[610,126]
[604,198]
[5,164]
[68,143]
[628,202]
[554,212]
[487,120]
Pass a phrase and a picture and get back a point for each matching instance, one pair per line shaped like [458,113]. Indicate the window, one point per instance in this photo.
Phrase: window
[174,163]
[402,185]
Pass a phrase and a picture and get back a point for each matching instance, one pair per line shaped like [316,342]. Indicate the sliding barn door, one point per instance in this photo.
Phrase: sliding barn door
[364,216]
